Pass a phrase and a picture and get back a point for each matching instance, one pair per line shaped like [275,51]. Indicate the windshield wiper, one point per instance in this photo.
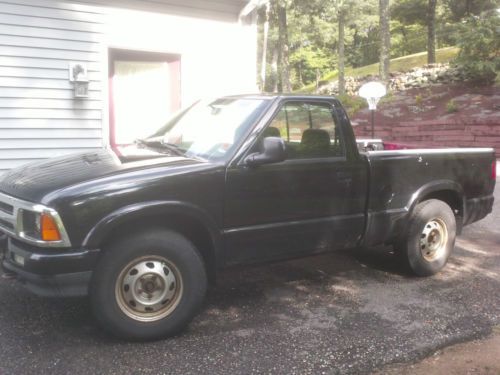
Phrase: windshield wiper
[160,146]
[173,147]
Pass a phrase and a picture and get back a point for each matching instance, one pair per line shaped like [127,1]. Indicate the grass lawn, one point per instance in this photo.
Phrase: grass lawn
[401,64]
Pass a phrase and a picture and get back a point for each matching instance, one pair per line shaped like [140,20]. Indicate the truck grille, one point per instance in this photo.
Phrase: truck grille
[6,225]
[7,208]
[8,213]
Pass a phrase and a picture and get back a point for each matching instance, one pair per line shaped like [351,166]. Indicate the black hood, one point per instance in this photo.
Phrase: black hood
[33,181]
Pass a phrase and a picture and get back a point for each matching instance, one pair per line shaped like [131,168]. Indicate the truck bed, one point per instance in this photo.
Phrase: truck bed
[463,177]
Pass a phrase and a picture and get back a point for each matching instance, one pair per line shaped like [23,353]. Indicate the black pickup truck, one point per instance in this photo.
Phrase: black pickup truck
[144,229]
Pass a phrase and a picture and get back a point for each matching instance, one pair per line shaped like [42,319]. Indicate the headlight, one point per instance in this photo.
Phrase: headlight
[41,225]
[30,224]
[33,223]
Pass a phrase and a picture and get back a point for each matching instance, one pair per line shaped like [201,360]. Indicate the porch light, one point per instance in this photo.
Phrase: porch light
[79,76]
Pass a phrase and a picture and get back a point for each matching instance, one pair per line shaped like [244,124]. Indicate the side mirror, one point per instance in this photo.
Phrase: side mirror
[274,151]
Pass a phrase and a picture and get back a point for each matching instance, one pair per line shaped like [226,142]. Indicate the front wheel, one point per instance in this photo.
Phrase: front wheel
[148,286]
[430,238]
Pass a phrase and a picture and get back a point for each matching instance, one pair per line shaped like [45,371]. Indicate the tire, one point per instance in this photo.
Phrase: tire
[430,238]
[148,286]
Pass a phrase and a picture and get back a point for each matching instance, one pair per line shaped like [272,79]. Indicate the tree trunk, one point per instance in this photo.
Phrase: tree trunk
[385,39]
[404,34]
[431,32]
[264,50]
[283,47]
[468,7]
[341,52]
[274,70]
[299,74]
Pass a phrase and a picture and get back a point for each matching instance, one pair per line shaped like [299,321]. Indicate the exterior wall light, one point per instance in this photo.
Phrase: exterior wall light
[79,76]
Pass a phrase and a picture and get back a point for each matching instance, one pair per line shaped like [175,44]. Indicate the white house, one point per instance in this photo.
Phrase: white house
[143,60]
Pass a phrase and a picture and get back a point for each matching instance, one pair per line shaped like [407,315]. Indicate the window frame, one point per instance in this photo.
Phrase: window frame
[119,54]
[335,119]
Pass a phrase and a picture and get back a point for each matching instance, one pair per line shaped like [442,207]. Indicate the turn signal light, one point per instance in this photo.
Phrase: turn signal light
[494,170]
[48,228]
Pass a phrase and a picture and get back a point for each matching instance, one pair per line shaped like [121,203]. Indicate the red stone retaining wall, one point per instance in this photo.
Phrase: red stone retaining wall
[437,133]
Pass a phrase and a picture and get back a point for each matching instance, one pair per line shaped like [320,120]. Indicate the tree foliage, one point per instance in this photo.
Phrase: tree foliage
[310,48]
[479,44]
[460,9]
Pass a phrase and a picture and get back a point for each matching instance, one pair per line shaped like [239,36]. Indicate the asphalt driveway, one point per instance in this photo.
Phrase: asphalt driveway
[348,312]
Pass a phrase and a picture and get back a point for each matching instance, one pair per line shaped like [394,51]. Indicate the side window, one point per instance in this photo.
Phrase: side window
[310,130]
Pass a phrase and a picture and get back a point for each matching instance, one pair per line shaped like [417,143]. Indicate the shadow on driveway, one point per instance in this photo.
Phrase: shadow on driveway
[347,312]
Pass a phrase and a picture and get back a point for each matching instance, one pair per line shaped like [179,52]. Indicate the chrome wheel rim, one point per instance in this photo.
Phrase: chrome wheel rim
[148,289]
[433,240]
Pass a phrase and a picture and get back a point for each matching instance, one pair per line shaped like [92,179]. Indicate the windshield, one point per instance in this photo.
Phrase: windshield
[209,129]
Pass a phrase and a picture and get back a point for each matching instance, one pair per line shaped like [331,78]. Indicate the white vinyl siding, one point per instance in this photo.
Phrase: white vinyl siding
[39,116]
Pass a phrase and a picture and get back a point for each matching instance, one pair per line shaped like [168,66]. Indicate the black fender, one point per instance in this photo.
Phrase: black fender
[429,189]
[139,211]
[434,187]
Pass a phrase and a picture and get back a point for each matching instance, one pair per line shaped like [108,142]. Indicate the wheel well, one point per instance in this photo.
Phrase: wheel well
[452,199]
[190,228]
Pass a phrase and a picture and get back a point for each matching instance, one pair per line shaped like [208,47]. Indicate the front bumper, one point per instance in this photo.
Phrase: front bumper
[49,272]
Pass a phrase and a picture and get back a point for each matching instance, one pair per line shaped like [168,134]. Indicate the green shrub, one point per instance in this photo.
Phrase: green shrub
[451,106]
[419,100]
[480,72]
[479,42]
[352,104]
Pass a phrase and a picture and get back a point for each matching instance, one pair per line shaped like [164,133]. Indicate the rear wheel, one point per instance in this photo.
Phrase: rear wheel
[148,286]
[430,238]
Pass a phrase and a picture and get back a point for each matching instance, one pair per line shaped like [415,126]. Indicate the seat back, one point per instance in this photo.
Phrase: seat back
[271,131]
[315,143]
